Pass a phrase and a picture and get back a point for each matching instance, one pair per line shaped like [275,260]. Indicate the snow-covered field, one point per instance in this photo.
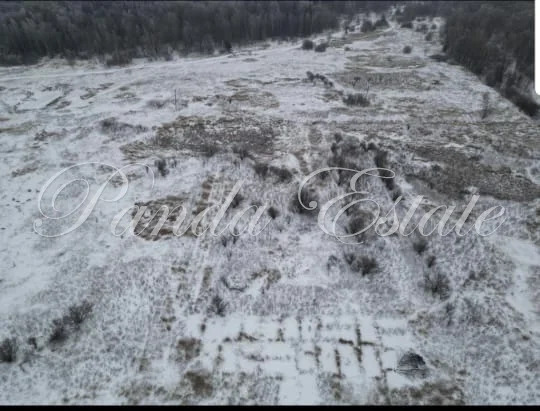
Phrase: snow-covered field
[285,316]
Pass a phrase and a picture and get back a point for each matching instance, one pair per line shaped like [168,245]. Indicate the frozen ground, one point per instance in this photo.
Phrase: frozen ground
[295,321]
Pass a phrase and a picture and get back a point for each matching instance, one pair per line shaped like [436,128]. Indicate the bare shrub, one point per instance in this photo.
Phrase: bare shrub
[8,350]
[332,261]
[261,169]
[429,36]
[310,76]
[161,166]
[209,150]
[109,124]
[217,306]
[321,77]
[368,265]
[273,212]
[32,341]
[80,312]
[307,196]
[264,170]
[361,264]
[281,173]
[396,194]
[76,315]
[156,103]
[407,25]
[381,162]
[422,28]
[437,284]
[224,241]
[420,246]
[360,221]
[345,153]
[241,152]
[59,331]
[407,49]
[237,199]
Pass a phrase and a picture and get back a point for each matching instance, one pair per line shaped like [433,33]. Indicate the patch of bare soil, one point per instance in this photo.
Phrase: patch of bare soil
[170,207]
[384,60]
[256,98]
[358,77]
[459,171]
[92,91]
[208,136]
[432,393]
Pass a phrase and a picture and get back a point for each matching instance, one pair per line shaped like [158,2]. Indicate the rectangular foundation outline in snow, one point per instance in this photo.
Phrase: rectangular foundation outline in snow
[356,349]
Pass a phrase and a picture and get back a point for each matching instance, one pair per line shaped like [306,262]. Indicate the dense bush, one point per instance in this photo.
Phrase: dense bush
[360,221]
[367,26]
[119,58]
[265,170]
[273,212]
[407,49]
[381,23]
[524,102]
[242,152]
[307,195]
[356,99]
[8,350]
[321,47]
[420,245]
[361,264]
[307,44]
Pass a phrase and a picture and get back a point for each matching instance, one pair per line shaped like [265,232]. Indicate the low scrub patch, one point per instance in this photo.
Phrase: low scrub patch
[356,99]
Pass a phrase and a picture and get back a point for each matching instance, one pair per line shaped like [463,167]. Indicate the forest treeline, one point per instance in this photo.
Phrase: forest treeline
[493,39]
[31,30]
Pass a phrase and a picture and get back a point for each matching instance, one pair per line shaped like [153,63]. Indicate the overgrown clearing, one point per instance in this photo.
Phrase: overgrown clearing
[290,315]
